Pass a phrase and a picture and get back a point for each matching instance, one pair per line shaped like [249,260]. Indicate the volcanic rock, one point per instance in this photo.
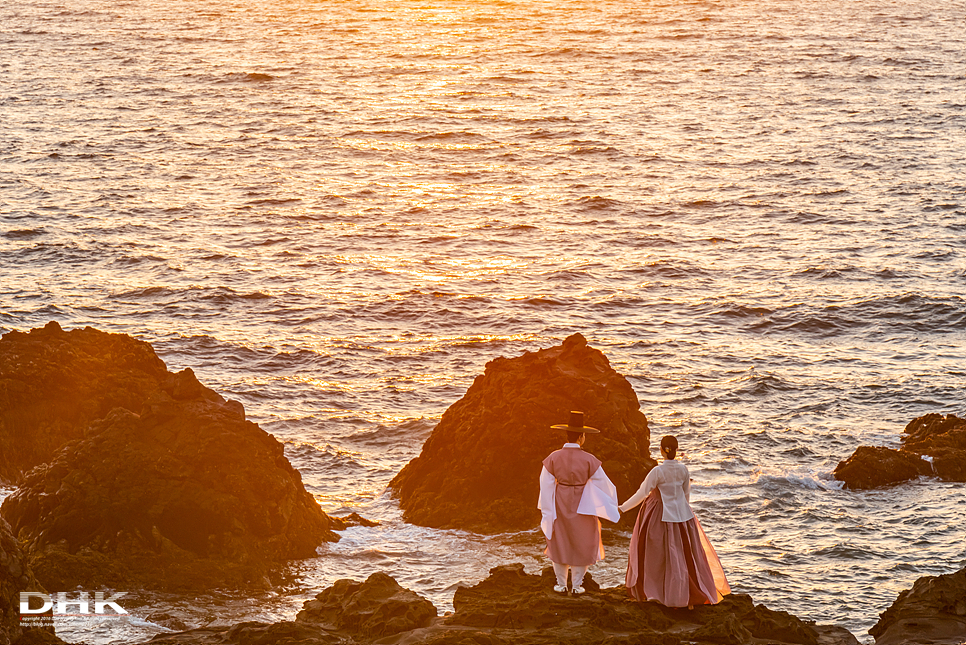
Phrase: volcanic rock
[186,495]
[932,445]
[373,609]
[933,612]
[874,466]
[15,577]
[54,383]
[512,607]
[479,470]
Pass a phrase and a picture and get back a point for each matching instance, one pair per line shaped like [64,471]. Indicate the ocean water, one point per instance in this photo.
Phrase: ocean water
[338,212]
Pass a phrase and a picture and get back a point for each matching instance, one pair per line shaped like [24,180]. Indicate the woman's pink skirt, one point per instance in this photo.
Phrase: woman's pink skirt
[672,562]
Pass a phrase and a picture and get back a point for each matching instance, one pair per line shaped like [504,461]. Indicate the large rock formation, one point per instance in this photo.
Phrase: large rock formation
[931,445]
[54,383]
[512,607]
[479,470]
[15,577]
[933,612]
[186,495]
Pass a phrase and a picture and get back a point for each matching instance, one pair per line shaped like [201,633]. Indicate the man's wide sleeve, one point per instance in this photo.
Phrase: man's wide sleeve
[599,497]
[547,502]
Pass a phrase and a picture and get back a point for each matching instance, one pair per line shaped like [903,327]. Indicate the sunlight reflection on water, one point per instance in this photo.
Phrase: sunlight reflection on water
[338,213]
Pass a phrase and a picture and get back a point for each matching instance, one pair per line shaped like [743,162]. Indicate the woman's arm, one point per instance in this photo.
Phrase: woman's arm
[650,483]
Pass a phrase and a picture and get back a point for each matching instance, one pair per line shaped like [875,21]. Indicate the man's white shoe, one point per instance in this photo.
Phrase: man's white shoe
[560,588]
[578,590]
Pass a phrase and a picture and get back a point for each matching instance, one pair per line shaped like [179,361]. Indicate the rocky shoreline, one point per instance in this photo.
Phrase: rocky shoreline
[511,607]
[131,475]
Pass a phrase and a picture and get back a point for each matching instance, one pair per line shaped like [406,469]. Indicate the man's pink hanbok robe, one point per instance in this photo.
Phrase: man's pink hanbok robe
[574,492]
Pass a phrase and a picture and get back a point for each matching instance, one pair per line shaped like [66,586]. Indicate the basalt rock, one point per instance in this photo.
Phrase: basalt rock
[54,383]
[931,445]
[16,577]
[875,466]
[933,612]
[374,609]
[186,495]
[479,469]
[512,607]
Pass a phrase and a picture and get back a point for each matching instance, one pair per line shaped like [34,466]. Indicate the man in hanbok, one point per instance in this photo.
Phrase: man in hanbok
[574,493]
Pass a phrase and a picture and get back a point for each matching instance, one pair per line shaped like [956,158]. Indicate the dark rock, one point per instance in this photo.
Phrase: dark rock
[512,607]
[932,430]
[834,635]
[186,496]
[15,577]
[932,612]
[874,466]
[167,620]
[352,519]
[373,609]
[942,439]
[727,630]
[251,633]
[54,383]
[479,470]
[513,599]
[760,621]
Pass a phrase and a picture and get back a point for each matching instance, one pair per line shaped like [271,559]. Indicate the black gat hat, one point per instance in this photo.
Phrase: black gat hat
[576,424]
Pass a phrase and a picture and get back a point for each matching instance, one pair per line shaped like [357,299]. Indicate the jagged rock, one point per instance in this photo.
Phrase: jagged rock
[944,439]
[728,631]
[373,609]
[187,495]
[941,439]
[933,612]
[512,607]
[479,470]
[874,466]
[511,599]
[16,576]
[54,383]
[352,519]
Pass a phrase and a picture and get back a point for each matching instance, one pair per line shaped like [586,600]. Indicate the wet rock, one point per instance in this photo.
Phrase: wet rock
[479,469]
[875,466]
[15,577]
[187,495]
[373,609]
[167,620]
[352,519]
[54,383]
[932,445]
[933,612]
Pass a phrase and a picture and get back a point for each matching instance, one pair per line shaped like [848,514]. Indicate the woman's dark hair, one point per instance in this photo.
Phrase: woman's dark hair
[573,437]
[669,444]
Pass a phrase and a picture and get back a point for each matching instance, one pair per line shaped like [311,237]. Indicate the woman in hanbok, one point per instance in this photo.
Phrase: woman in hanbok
[670,558]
